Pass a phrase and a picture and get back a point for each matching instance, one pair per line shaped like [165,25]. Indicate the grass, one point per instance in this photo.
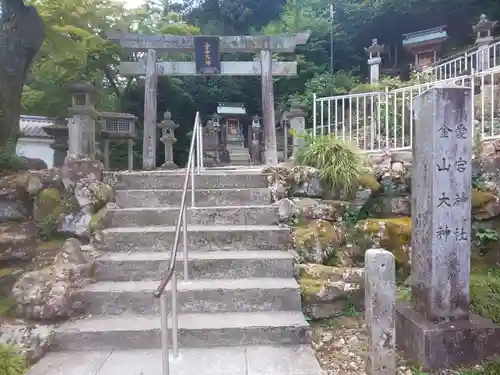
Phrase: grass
[340,165]
[11,363]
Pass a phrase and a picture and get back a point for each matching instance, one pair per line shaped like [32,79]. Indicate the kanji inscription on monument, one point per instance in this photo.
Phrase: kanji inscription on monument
[441,192]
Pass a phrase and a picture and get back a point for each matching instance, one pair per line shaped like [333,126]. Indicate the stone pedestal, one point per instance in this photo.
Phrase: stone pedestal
[437,329]
[374,64]
[483,53]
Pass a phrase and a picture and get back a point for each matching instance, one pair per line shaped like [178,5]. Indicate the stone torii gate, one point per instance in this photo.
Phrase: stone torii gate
[151,68]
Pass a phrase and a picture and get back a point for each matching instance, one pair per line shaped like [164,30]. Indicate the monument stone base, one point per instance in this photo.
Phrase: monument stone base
[444,345]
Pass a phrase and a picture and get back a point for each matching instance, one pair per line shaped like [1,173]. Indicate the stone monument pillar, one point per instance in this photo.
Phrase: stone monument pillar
[483,30]
[59,131]
[437,330]
[81,126]
[374,60]
[168,127]
[297,118]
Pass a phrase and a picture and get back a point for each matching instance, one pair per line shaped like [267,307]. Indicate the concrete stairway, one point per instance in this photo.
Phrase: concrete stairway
[240,312]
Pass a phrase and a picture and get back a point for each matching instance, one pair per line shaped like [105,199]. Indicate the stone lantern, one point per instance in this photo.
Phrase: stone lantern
[255,149]
[82,124]
[119,126]
[59,131]
[374,60]
[483,30]
[168,127]
[297,117]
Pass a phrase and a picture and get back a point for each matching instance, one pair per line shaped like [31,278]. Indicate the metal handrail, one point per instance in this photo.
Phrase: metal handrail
[170,274]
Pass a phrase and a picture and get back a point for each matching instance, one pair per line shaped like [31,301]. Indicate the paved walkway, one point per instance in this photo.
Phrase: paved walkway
[257,360]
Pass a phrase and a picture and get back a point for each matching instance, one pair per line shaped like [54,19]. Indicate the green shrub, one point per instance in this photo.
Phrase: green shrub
[339,164]
[9,160]
[11,363]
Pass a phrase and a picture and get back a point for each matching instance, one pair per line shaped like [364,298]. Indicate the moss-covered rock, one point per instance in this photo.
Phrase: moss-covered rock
[367,180]
[485,205]
[327,291]
[392,234]
[316,241]
[97,220]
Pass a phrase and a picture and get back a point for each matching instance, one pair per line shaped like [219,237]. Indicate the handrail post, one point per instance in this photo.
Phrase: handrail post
[164,334]
[185,243]
[201,148]
[314,115]
[175,322]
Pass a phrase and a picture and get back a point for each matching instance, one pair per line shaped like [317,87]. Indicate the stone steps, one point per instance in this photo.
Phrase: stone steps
[203,197]
[202,265]
[253,360]
[195,331]
[238,215]
[169,180]
[200,237]
[194,296]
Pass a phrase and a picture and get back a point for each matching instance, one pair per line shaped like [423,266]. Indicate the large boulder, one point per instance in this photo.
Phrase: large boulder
[317,241]
[288,180]
[32,341]
[291,210]
[49,294]
[392,234]
[328,291]
[17,240]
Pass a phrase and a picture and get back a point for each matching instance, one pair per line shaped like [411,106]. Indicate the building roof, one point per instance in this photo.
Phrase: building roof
[32,126]
[436,34]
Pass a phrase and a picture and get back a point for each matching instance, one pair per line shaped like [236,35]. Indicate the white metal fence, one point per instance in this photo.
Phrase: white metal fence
[475,59]
[376,121]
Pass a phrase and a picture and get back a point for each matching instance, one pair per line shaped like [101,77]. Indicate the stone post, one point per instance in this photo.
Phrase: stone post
[437,330]
[380,316]
[150,116]
[59,131]
[374,60]
[297,117]
[270,147]
[483,30]
[81,126]
[168,138]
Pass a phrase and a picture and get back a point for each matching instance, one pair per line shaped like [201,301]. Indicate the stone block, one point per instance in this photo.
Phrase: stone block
[447,344]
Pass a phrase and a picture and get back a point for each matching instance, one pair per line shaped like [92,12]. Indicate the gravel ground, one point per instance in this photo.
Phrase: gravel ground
[341,343]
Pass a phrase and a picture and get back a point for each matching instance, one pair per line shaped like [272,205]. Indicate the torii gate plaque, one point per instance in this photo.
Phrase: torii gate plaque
[266,68]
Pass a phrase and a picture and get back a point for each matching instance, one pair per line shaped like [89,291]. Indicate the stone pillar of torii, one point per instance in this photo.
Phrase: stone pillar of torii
[266,68]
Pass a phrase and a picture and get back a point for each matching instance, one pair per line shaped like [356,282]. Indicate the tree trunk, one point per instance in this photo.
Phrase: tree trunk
[21,35]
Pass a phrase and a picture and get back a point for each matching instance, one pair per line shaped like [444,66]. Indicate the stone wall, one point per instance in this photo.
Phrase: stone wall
[331,236]
[68,204]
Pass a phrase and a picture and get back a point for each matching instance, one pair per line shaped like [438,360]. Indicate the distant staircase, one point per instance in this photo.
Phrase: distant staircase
[240,311]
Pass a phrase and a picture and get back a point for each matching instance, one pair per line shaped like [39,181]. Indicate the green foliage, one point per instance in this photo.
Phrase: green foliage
[9,160]
[11,363]
[7,306]
[47,226]
[485,293]
[340,165]
[485,237]
[490,368]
